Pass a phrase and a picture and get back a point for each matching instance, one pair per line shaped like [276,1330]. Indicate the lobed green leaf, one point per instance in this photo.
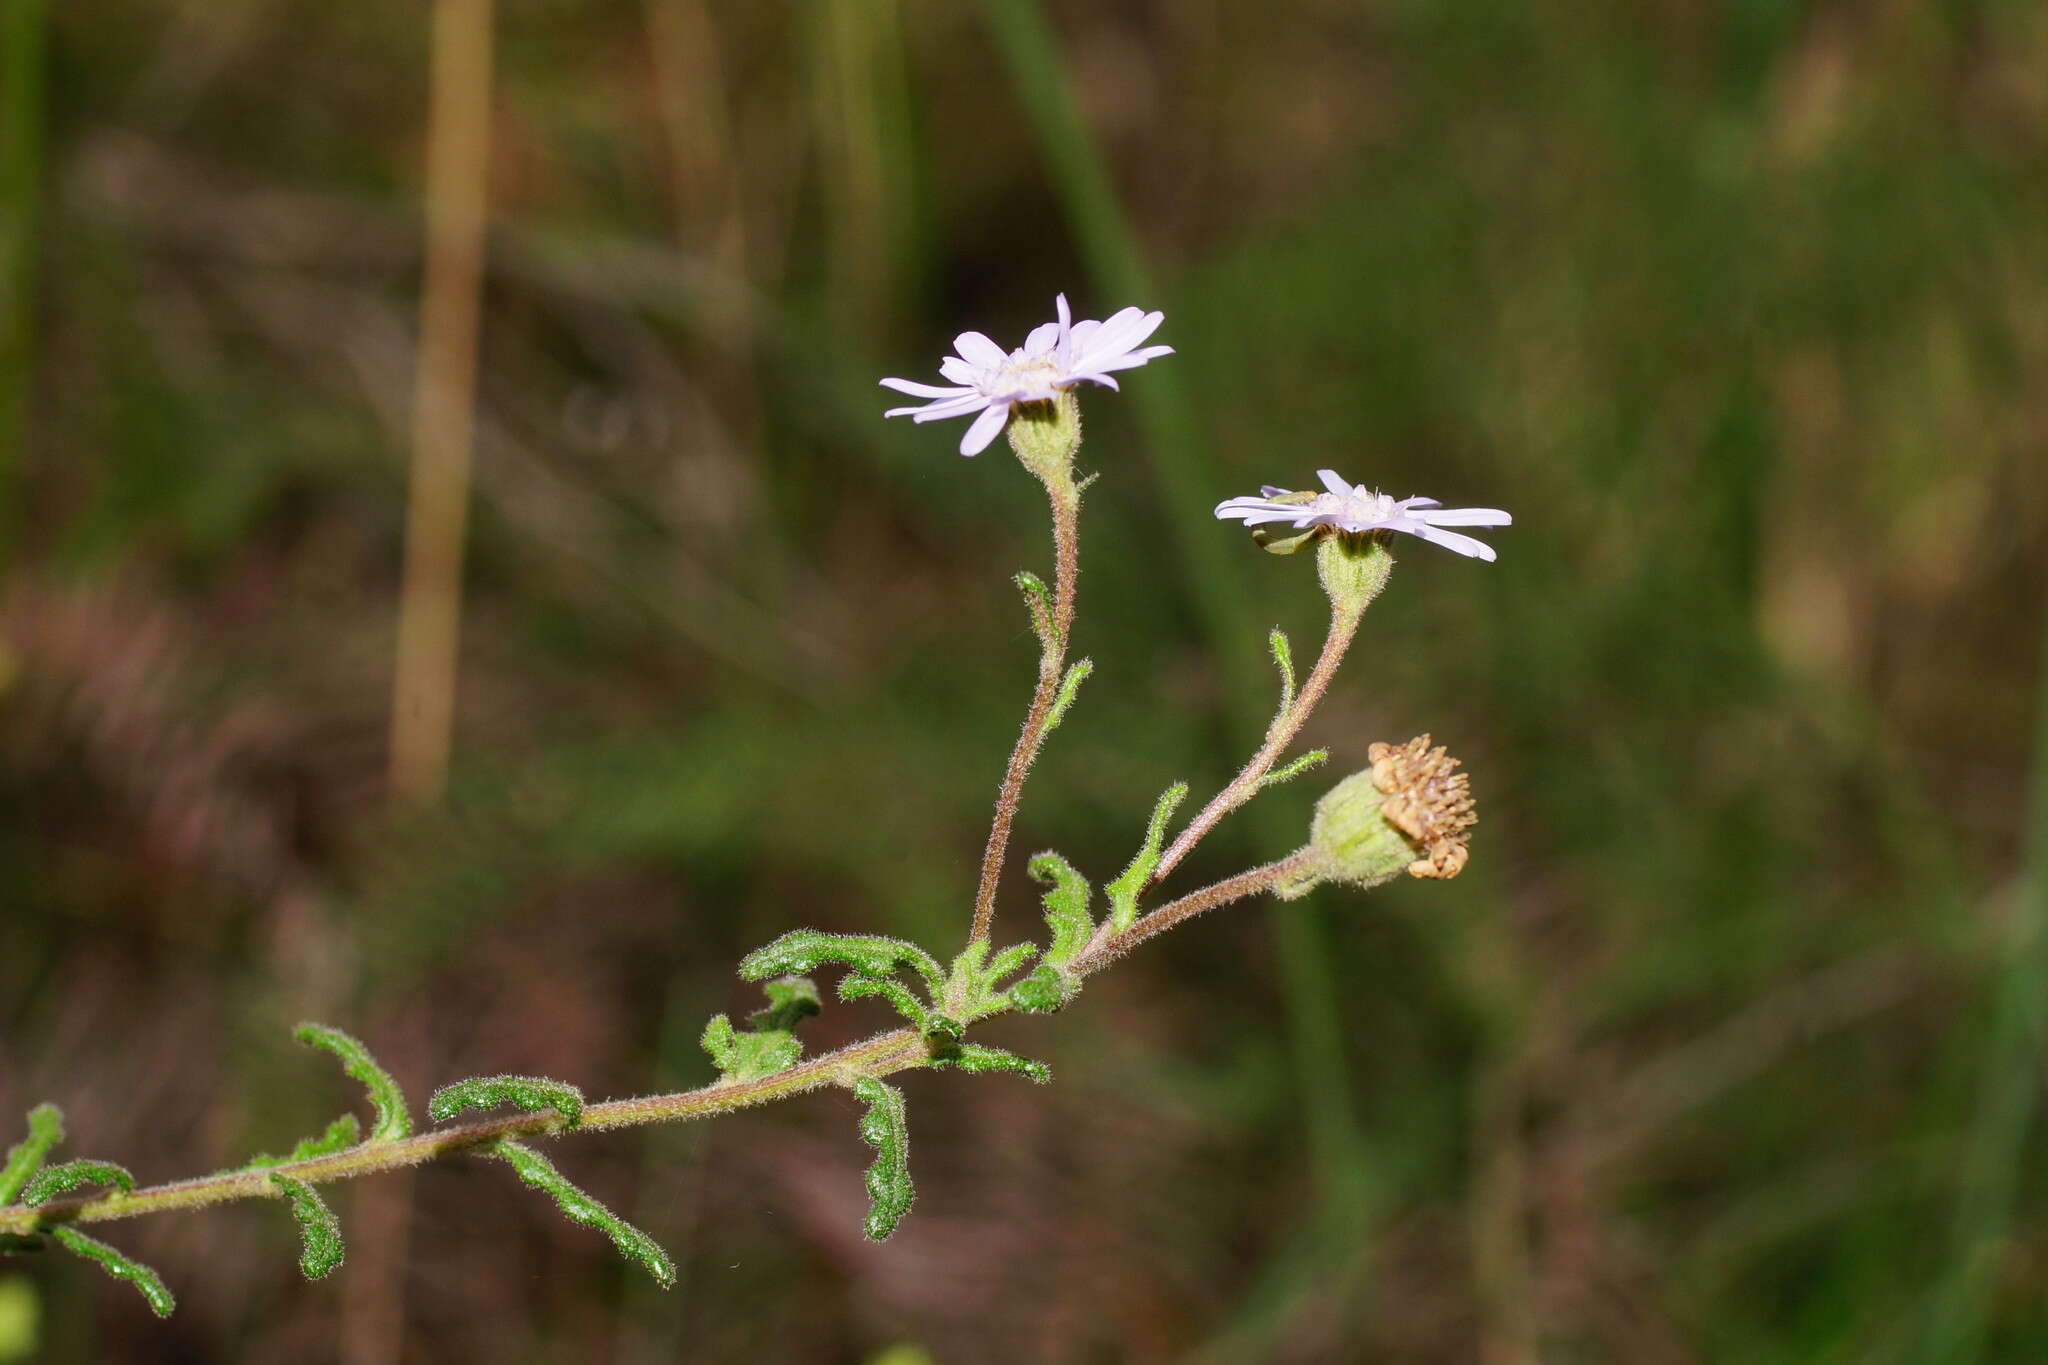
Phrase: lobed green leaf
[52,1181]
[1066,905]
[530,1093]
[975,1057]
[393,1121]
[1007,961]
[856,986]
[320,1246]
[1045,990]
[120,1265]
[886,1128]
[804,950]
[1124,891]
[748,1056]
[25,1158]
[791,999]
[1070,687]
[537,1171]
[339,1136]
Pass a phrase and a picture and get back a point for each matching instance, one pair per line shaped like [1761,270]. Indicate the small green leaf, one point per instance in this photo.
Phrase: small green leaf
[537,1171]
[1124,891]
[803,950]
[530,1093]
[1038,601]
[320,1248]
[1005,962]
[1066,905]
[1314,758]
[392,1121]
[885,1128]
[791,999]
[25,1158]
[1283,658]
[975,1057]
[967,968]
[720,1041]
[1070,686]
[1045,990]
[55,1180]
[855,986]
[340,1135]
[942,1029]
[120,1266]
[748,1056]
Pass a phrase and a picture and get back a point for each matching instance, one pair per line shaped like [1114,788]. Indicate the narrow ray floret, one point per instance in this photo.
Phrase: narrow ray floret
[1357,508]
[985,380]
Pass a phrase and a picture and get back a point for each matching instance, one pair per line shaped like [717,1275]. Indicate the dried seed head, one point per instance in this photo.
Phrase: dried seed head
[1409,812]
[1427,800]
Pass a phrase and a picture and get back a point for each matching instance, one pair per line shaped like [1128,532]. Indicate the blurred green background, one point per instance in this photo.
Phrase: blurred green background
[1728,1046]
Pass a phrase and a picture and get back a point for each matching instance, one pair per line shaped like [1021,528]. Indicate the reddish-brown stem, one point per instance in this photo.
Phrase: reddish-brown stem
[1343,627]
[1107,947]
[1066,508]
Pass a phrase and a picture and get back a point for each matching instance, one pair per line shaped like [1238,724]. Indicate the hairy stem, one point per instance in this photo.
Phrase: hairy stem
[1065,498]
[877,1056]
[1286,725]
[1107,947]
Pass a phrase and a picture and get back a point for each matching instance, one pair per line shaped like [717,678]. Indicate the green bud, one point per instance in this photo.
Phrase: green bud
[1353,567]
[1046,435]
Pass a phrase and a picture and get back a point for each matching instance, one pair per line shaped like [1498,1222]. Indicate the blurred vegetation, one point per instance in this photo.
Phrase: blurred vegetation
[1726,1047]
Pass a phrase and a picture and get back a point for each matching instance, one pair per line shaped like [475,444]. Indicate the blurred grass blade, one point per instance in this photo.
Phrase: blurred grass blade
[2009,1098]
[444,399]
[21,173]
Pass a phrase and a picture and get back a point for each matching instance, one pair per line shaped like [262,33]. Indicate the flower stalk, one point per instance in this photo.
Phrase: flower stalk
[1354,591]
[1045,442]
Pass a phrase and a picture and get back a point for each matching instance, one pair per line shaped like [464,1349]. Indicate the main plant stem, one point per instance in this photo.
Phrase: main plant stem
[1344,619]
[879,1056]
[1065,497]
[876,1057]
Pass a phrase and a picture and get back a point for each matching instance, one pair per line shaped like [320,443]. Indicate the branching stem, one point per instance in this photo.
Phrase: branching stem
[1286,725]
[876,1057]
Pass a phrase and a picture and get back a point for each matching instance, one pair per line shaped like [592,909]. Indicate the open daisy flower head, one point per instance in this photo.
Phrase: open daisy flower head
[985,380]
[1358,509]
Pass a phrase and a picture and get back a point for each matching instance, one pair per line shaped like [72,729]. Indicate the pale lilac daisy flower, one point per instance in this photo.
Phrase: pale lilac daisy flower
[1057,355]
[1349,507]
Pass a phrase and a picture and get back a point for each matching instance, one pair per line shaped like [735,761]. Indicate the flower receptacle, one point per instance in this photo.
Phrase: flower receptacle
[1047,434]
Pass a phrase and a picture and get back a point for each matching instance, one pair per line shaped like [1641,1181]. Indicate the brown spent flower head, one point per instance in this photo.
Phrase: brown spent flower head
[1428,801]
